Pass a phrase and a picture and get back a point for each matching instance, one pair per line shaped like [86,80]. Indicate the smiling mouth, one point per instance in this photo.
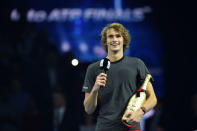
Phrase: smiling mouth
[115,44]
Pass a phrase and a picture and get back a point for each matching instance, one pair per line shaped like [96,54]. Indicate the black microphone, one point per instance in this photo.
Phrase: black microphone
[105,64]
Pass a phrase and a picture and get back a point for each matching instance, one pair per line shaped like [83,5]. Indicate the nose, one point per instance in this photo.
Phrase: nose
[114,38]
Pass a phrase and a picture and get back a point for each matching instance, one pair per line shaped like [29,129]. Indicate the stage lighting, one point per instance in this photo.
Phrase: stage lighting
[75,62]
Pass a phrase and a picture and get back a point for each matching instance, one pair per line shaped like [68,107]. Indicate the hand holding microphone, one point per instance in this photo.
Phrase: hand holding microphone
[102,77]
[100,81]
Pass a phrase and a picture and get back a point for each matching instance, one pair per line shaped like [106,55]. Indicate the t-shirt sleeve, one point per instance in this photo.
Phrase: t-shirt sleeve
[142,71]
[89,80]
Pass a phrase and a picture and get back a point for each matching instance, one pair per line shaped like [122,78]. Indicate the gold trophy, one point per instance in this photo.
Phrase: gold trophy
[136,100]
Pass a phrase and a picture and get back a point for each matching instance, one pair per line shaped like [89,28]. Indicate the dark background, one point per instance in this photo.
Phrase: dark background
[176,24]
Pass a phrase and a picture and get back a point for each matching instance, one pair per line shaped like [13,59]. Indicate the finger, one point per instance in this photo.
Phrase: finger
[102,81]
[129,121]
[101,84]
[128,115]
[103,74]
[102,78]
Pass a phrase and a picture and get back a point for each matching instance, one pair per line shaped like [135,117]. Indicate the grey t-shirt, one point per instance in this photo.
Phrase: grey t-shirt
[123,79]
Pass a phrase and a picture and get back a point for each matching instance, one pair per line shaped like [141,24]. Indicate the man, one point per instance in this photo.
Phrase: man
[61,117]
[110,93]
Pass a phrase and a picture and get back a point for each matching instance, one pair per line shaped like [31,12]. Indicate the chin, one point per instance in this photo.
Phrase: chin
[115,51]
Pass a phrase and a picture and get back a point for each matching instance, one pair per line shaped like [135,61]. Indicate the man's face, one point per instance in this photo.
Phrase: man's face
[114,41]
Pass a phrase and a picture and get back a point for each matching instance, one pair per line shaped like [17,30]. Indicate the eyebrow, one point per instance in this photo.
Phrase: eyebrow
[113,35]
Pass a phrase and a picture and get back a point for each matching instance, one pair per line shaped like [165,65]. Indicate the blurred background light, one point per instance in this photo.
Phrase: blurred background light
[75,62]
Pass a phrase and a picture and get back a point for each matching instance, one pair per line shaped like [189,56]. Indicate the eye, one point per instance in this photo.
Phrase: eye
[118,35]
[110,36]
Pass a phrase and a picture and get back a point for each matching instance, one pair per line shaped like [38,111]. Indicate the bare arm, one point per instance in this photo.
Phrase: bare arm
[90,101]
[151,100]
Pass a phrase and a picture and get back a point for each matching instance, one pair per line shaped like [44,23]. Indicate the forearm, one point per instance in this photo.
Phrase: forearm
[90,102]
[150,102]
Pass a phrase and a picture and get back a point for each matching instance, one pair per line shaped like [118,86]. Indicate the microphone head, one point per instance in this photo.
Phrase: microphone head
[105,64]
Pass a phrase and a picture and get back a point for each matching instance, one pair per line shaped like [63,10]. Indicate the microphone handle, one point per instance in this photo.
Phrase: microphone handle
[104,71]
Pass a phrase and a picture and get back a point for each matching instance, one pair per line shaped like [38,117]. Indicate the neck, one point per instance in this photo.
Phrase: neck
[114,56]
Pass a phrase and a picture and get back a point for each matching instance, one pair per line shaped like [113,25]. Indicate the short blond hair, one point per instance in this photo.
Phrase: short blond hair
[119,28]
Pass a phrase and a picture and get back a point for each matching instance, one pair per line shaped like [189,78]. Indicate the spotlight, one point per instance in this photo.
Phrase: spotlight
[75,62]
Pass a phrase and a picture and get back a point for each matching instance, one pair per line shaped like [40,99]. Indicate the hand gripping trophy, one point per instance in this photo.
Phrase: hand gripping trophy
[136,100]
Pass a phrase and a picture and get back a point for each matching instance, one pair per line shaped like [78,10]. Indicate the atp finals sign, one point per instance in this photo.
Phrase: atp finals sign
[71,14]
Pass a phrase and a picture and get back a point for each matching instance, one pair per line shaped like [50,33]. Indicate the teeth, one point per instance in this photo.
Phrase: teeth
[115,44]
